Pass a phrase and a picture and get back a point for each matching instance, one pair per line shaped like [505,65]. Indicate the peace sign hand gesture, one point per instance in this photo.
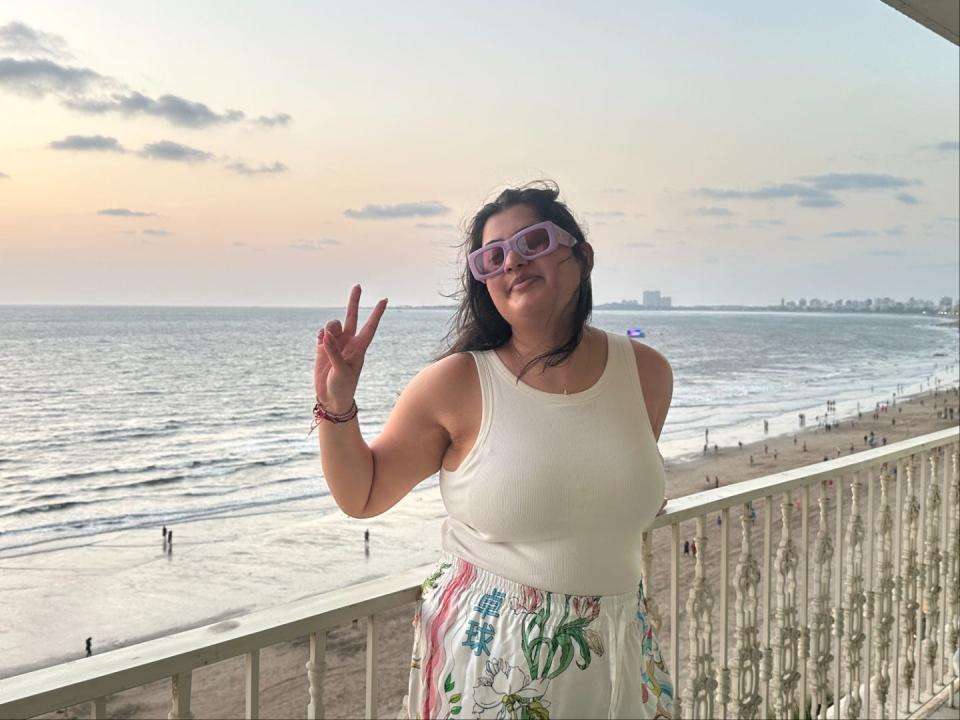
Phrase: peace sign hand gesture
[340,354]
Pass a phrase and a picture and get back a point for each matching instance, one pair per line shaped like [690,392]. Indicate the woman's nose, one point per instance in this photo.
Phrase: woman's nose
[514,260]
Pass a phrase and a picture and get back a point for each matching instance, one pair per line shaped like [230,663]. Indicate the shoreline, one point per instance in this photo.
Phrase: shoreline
[219,689]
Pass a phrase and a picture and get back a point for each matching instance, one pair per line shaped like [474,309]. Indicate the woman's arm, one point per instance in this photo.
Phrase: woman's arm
[656,379]
[367,480]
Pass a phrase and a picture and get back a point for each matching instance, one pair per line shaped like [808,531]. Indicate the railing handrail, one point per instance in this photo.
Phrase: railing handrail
[80,680]
[73,682]
[691,506]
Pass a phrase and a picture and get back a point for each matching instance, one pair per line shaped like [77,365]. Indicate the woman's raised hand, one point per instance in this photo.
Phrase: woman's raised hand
[340,353]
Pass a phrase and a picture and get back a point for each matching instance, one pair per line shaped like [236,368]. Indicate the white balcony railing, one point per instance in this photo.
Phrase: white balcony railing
[868,613]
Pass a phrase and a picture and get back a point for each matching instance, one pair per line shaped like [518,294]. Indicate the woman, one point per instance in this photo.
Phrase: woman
[543,430]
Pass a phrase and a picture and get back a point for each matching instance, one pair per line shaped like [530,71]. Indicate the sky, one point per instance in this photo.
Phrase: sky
[276,153]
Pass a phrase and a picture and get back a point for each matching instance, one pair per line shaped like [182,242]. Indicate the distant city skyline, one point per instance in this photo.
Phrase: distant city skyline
[274,154]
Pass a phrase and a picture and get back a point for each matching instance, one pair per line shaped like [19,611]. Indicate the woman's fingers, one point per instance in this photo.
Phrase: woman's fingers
[353,305]
[333,352]
[372,323]
[333,328]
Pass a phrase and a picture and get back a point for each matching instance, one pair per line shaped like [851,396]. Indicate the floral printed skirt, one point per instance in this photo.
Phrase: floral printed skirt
[487,647]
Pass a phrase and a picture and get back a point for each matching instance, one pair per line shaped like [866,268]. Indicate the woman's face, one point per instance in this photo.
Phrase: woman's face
[538,288]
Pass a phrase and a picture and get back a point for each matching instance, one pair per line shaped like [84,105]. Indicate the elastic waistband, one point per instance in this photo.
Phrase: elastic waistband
[484,581]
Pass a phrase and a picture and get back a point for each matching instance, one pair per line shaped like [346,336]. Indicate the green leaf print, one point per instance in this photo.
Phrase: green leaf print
[448,683]
[566,655]
[454,699]
[455,710]
[534,710]
[584,650]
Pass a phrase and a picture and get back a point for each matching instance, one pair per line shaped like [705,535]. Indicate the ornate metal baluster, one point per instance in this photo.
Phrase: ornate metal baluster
[908,574]
[821,618]
[786,644]
[931,567]
[703,680]
[855,601]
[953,560]
[883,597]
[746,669]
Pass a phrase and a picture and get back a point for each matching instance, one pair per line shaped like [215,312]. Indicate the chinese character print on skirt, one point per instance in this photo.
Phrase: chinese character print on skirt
[487,647]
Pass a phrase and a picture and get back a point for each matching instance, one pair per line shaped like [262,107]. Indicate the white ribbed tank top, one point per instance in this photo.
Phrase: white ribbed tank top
[557,489]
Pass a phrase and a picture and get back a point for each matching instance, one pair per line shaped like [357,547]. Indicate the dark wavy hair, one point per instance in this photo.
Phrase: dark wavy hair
[477,324]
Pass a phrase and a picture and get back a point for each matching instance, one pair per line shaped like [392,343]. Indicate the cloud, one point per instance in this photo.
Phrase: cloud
[832,182]
[273,120]
[907,198]
[429,208]
[714,211]
[854,233]
[615,190]
[793,238]
[124,212]
[726,226]
[85,90]
[172,108]
[806,195]
[436,226]
[20,39]
[38,77]
[634,244]
[769,222]
[948,146]
[155,232]
[241,168]
[894,230]
[313,244]
[816,190]
[169,150]
[85,143]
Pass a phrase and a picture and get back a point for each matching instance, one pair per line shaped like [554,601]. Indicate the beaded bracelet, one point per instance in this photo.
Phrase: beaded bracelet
[320,414]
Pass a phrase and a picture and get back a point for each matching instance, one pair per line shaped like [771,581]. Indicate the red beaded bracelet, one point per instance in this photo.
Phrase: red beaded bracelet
[320,414]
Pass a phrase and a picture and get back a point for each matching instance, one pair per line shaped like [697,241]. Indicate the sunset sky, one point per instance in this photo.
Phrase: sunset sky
[273,154]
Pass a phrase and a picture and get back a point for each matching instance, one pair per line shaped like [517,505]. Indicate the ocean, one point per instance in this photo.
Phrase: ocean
[115,421]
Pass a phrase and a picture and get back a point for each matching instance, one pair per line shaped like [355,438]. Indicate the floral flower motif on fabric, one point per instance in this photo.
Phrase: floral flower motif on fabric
[507,691]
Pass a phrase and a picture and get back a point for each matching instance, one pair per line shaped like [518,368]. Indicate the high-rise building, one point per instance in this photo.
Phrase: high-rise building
[651,298]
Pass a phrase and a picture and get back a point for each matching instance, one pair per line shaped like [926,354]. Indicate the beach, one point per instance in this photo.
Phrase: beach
[218,690]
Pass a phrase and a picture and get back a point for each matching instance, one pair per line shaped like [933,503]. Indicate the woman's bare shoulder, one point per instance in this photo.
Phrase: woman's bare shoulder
[652,362]
[441,382]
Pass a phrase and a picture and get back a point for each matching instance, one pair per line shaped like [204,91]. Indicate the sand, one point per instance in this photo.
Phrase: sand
[218,690]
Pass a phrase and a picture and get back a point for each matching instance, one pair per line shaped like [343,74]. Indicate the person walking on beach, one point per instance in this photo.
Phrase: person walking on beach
[169,542]
[686,547]
[89,646]
[693,548]
[544,431]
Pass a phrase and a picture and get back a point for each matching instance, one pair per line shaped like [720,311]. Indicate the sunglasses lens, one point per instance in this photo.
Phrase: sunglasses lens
[490,260]
[534,242]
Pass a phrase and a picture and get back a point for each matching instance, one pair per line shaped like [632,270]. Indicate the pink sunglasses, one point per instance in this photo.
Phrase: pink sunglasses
[531,242]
